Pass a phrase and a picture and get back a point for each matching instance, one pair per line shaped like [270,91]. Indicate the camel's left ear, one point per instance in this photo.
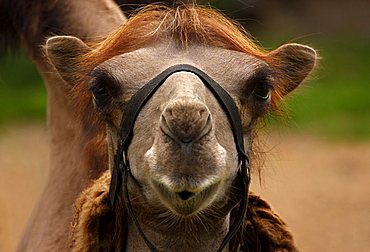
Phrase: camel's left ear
[64,53]
[292,63]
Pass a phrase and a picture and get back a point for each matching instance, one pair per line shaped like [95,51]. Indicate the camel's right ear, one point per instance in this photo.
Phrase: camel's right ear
[64,53]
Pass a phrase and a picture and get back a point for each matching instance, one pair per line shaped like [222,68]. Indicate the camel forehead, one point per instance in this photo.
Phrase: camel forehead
[227,67]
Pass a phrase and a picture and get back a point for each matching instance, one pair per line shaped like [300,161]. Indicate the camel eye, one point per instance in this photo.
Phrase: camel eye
[104,88]
[262,91]
[101,95]
[99,92]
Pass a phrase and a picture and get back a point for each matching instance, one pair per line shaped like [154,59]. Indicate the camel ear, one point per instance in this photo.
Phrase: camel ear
[64,52]
[293,63]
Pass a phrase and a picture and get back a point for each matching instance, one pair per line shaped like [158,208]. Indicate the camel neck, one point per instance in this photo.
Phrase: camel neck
[71,150]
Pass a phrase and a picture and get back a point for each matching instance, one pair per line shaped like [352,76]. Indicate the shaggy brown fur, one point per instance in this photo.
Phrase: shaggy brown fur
[94,221]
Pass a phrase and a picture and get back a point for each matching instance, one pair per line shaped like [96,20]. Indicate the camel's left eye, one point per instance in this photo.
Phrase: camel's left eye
[262,91]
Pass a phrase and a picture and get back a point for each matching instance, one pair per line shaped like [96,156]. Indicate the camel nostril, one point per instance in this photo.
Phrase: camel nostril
[185,195]
[202,112]
[169,112]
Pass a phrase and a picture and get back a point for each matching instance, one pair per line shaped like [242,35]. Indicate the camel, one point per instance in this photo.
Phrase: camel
[69,171]
[183,156]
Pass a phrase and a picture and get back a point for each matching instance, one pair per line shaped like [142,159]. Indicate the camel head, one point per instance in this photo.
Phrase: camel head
[182,156]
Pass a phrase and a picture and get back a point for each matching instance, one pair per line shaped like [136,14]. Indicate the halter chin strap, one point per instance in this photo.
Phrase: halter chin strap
[121,169]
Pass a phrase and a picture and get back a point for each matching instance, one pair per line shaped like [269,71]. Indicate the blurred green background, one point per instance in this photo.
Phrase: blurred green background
[334,103]
[22,93]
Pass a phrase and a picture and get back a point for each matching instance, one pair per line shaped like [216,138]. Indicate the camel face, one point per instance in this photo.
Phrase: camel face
[183,151]
[183,154]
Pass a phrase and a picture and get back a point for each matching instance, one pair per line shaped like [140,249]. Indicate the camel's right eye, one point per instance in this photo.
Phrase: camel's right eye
[101,95]
[99,92]
[104,88]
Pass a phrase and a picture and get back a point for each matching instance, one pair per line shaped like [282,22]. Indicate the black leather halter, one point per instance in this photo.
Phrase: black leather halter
[121,169]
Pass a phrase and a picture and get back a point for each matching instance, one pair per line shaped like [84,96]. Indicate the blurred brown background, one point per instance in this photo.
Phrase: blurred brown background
[317,169]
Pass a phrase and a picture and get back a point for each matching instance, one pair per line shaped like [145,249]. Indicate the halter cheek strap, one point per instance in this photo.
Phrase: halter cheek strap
[121,169]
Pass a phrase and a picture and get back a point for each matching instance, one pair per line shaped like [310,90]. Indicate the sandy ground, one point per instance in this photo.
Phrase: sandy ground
[322,189]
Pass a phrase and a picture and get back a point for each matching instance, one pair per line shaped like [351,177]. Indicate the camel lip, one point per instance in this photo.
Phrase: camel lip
[185,202]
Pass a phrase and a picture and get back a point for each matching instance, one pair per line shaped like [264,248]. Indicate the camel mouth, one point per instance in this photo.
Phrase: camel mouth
[186,202]
[185,195]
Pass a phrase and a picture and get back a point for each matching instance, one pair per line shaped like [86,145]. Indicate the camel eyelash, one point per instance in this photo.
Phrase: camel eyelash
[259,85]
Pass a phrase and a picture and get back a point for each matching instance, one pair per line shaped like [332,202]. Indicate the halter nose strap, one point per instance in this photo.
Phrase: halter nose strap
[139,99]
